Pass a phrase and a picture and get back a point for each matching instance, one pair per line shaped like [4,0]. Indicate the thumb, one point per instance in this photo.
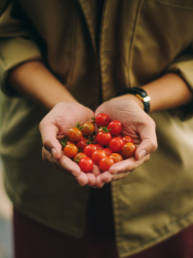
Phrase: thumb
[49,139]
[100,109]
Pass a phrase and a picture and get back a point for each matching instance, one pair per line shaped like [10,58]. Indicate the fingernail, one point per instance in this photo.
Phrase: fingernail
[142,154]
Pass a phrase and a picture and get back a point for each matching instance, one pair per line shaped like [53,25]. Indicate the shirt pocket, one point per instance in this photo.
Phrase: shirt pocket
[184,4]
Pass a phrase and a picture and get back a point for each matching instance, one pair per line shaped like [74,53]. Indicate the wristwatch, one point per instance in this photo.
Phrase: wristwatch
[139,93]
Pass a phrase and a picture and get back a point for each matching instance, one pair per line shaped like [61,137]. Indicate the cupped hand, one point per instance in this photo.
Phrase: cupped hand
[136,123]
[54,126]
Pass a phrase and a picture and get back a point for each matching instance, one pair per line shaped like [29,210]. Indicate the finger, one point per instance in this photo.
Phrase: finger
[98,110]
[82,179]
[47,155]
[127,165]
[120,176]
[96,170]
[70,166]
[148,142]
[99,182]
[106,177]
[49,138]
[91,179]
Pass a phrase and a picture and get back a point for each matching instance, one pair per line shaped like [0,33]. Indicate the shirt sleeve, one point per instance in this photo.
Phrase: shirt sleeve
[183,66]
[16,44]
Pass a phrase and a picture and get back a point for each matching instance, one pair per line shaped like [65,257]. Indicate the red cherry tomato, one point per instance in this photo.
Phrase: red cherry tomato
[82,143]
[79,156]
[86,164]
[70,150]
[103,138]
[97,156]
[74,134]
[116,144]
[87,128]
[105,163]
[116,157]
[107,151]
[102,119]
[128,149]
[98,146]
[127,139]
[89,149]
[115,127]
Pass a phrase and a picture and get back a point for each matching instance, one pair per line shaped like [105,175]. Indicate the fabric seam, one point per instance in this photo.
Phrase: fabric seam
[130,58]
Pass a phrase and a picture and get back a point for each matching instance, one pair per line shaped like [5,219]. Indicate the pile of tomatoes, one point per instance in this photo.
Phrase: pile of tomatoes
[98,142]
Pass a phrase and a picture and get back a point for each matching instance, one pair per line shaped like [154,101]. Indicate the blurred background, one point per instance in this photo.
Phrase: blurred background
[5,222]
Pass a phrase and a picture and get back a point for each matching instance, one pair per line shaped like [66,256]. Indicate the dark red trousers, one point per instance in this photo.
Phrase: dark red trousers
[33,240]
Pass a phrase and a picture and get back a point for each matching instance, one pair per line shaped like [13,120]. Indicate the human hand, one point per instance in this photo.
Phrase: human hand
[54,126]
[136,123]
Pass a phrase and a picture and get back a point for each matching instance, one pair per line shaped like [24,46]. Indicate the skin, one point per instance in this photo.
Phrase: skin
[33,80]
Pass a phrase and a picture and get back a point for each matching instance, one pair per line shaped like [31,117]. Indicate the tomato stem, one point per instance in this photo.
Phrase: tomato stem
[63,141]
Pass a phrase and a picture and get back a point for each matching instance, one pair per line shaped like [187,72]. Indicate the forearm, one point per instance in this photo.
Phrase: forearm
[34,80]
[167,92]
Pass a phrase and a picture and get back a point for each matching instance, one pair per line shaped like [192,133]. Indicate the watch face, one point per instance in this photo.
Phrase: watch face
[146,99]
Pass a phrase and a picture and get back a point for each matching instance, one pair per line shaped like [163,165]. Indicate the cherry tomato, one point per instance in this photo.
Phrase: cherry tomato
[74,134]
[82,143]
[97,156]
[115,127]
[98,146]
[128,149]
[103,138]
[87,128]
[102,119]
[86,164]
[89,149]
[79,156]
[70,150]
[107,151]
[105,163]
[127,139]
[116,144]
[116,157]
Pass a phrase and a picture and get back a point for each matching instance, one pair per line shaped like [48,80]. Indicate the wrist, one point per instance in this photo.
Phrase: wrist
[140,94]
[169,91]
[131,97]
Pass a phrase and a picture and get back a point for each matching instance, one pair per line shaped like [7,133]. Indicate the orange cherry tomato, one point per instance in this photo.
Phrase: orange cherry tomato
[106,163]
[128,149]
[79,156]
[74,134]
[127,138]
[70,150]
[88,128]
[116,157]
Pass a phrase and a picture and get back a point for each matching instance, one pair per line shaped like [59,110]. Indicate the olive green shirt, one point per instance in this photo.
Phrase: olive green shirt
[139,41]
